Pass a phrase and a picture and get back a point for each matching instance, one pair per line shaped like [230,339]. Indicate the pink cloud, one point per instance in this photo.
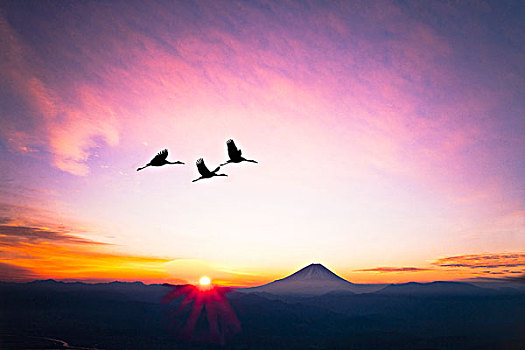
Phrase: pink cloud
[397,99]
[75,136]
[69,131]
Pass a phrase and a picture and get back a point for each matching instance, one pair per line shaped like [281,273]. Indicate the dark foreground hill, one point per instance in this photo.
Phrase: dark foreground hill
[131,316]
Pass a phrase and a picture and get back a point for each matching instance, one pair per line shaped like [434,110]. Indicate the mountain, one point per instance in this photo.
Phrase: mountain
[434,288]
[116,290]
[314,279]
[48,314]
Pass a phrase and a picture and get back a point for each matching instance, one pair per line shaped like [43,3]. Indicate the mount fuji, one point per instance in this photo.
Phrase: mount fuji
[314,279]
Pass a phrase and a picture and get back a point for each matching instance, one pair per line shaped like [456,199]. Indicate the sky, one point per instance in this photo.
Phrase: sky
[388,135]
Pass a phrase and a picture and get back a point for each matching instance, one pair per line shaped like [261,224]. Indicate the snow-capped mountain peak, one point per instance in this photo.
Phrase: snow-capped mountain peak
[314,279]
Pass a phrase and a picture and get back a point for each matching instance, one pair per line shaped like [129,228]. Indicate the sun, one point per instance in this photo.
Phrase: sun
[204,281]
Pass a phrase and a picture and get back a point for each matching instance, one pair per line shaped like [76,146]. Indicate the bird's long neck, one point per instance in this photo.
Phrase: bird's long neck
[177,162]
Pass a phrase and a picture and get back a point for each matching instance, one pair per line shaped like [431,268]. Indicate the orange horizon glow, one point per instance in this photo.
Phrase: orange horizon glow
[80,264]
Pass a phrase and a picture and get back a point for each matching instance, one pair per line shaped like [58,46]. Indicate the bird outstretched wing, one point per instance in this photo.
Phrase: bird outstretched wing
[201,167]
[161,156]
[233,152]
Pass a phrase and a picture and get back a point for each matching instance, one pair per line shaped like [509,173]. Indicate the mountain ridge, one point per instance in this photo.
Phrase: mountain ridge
[434,288]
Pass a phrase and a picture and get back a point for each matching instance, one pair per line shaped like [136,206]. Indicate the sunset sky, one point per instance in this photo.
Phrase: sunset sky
[389,136]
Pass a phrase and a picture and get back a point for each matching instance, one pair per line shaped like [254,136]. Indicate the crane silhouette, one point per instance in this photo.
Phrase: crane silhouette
[235,154]
[160,160]
[205,173]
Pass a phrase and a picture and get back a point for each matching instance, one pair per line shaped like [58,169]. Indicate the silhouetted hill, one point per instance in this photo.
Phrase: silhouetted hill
[130,316]
[435,289]
[137,291]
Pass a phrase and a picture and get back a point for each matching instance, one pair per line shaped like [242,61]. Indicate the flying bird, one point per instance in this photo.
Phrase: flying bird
[235,154]
[160,160]
[205,173]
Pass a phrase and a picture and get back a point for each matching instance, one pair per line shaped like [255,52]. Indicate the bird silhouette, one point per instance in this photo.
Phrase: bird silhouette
[235,154]
[160,160]
[205,173]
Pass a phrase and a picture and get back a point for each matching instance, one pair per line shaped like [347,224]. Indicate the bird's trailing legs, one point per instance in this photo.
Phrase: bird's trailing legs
[205,172]
[242,160]
[202,177]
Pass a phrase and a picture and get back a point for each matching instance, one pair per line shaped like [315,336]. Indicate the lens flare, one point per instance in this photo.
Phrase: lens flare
[192,303]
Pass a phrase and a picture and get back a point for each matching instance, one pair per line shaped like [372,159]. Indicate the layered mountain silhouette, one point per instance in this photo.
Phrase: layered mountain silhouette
[434,288]
[317,280]
[48,314]
[314,279]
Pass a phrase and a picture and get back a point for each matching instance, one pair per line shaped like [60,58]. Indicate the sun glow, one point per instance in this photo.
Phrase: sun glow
[204,281]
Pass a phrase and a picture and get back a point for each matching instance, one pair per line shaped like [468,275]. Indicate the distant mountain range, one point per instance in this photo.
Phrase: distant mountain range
[312,308]
[310,281]
[434,288]
[135,291]
[315,280]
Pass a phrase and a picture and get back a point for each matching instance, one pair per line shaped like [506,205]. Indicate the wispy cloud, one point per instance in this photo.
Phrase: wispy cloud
[32,252]
[68,130]
[482,261]
[35,252]
[11,235]
[502,265]
[381,65]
